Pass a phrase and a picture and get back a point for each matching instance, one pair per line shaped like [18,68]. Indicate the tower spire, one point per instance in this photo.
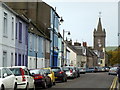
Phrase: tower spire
[99,27]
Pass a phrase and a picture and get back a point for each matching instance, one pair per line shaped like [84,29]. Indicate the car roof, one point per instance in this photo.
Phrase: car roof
[23,67]
[2,67]
[46,68]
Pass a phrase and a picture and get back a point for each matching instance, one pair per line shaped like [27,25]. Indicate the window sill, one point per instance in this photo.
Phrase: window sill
[20,41]
[5,36]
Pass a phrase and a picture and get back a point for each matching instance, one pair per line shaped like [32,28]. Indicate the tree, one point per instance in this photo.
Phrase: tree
[114,56]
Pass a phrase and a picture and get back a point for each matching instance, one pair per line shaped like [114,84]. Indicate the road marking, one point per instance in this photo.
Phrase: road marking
[114,83]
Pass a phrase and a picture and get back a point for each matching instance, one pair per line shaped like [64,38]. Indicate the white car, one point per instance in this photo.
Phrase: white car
[24,79]
[113,71]
[82,70]
[70,71]
[7,79]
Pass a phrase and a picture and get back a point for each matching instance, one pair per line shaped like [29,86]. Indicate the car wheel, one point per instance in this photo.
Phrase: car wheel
[27,87]
[2,87]
[51,84]
[44,85]
[15,86]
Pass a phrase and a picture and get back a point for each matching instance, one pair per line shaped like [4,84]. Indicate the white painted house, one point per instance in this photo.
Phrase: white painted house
[7,35]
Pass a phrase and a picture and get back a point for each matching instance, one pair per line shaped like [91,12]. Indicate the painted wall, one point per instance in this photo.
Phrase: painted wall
[7,41]
[73,57]
[55,27]
[21,51]
[36,45]
[60,51]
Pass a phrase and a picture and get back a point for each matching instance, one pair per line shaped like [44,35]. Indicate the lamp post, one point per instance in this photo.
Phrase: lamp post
[36,51]
[53,29]
[63,43]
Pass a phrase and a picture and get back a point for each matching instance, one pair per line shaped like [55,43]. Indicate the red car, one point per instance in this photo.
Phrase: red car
[41,78]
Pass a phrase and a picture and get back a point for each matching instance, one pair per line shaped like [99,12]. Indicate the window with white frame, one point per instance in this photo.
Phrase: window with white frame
[20,31]
[5,24]
[16,31]
[30,37]
[35,42]
[4,63]
[47,46]
[12,33]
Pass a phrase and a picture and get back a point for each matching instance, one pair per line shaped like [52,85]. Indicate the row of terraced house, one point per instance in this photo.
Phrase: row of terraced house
[30,36]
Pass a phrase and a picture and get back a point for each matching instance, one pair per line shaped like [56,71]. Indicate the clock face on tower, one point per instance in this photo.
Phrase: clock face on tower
[99,43]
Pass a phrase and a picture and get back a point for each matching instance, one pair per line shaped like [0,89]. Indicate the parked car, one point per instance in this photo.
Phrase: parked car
[70,71]
[24,79]
[50,74]
[7,79]
[107,69]
[60,75]
[82,70]
[92,69]
[113,71]
[41,79]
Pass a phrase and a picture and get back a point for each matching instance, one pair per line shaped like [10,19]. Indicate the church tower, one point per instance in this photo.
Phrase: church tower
[99,37]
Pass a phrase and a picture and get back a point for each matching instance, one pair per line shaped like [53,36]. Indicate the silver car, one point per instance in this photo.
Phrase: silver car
[113,71]
[70,71]
[82,70]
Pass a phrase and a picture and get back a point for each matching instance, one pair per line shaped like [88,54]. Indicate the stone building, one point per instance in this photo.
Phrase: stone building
[100,43]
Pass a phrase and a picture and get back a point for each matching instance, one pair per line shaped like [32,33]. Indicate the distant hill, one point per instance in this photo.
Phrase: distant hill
[111,48]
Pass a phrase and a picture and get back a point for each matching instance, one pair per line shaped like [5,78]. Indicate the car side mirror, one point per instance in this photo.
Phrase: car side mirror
[5,75]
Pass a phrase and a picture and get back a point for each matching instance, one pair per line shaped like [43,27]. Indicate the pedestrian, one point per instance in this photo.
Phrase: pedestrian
[118,73]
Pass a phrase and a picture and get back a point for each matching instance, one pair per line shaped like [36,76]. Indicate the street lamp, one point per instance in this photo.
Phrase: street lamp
[36,51]
[63,41]
[53,29]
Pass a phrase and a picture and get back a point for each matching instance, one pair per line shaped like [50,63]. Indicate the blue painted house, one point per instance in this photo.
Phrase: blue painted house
[37,43]
[21,41]
[54,33]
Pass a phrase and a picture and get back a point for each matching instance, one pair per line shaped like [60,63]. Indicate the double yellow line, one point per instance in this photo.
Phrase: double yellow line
[114,83]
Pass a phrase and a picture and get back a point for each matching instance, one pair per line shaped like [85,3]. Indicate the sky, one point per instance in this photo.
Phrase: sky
[81,17]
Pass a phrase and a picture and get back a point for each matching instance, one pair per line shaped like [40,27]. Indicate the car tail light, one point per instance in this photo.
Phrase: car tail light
[23,78]
[38,77]
[22,72]
[61,72]
[71,71]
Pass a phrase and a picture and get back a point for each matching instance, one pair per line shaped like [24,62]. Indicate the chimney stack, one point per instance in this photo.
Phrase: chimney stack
[77,44]
[69,42]
[85,44]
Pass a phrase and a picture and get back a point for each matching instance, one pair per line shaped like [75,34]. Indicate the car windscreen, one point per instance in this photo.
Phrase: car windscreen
[66,68]
[56,69]
[37,71]
[46,71]
[16,71]
[81,68]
